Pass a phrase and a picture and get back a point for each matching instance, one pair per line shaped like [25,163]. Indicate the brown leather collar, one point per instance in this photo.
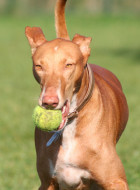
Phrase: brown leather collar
[87,95]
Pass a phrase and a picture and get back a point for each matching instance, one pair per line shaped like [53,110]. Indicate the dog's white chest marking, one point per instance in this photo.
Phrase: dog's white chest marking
[68,141]
[67,172]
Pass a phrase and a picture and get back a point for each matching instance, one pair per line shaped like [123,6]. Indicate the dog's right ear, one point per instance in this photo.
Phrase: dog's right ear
[35,37]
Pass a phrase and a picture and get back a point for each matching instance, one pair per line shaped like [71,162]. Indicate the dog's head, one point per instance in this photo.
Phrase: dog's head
[58,66]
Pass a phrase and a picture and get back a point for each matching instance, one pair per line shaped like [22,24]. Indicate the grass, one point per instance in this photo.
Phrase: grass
[115,45]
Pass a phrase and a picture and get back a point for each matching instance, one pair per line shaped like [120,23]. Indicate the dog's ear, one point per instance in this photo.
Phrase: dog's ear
[35,37]
[83,43]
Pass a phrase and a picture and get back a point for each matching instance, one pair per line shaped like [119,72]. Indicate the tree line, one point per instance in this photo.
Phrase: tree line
[93,6]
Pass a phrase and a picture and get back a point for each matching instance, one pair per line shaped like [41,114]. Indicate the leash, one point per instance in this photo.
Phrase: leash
[74,113]
[55,136]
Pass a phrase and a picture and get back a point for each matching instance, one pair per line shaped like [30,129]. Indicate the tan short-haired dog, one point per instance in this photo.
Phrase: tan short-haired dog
[94,113]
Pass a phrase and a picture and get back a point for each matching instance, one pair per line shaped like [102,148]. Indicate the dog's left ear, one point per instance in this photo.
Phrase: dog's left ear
[35,37]
[83,43]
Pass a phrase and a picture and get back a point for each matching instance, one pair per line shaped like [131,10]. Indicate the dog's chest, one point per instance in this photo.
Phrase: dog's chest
[67,170]
[68,143]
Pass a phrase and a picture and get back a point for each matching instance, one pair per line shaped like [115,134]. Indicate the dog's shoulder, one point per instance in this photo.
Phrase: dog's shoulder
[106,75]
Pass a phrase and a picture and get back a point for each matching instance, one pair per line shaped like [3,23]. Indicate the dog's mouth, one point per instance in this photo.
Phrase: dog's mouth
[65,112]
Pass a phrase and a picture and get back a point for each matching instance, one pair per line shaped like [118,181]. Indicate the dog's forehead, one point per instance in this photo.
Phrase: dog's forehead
[58,47]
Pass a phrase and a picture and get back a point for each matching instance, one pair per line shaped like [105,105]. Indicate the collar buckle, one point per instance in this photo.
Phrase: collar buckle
[72,114]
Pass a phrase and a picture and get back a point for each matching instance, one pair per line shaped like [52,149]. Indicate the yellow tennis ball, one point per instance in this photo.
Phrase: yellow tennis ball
[47,120]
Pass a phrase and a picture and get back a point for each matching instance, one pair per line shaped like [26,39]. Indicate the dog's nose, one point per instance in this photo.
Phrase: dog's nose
[51,101]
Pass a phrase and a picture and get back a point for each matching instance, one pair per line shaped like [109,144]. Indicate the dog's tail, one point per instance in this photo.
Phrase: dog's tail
[60,24]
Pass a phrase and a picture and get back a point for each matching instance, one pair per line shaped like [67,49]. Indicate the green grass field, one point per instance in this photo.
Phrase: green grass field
[115,45]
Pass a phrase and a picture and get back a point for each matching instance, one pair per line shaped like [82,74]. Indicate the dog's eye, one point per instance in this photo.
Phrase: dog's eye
[38,67]
[68,65]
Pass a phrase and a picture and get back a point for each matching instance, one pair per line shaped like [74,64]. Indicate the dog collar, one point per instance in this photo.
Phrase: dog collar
[88,95]
[74,113]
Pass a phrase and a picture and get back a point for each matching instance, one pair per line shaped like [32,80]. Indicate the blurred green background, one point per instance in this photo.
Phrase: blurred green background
[114,26]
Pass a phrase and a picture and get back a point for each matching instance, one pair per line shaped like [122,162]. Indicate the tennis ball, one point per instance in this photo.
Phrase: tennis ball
[47,120]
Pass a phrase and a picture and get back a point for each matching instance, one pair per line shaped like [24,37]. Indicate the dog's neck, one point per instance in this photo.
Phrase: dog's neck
[85,91]
[84,87]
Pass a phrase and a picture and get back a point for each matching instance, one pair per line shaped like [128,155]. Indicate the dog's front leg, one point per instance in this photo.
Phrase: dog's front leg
[117,185]
[51,186]
[46,159]
[48,183]
[108,170]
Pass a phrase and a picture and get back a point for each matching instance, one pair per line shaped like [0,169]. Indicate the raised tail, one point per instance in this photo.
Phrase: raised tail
[60,24]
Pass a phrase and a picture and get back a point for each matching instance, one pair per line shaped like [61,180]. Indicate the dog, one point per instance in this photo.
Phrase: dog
[81,154]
